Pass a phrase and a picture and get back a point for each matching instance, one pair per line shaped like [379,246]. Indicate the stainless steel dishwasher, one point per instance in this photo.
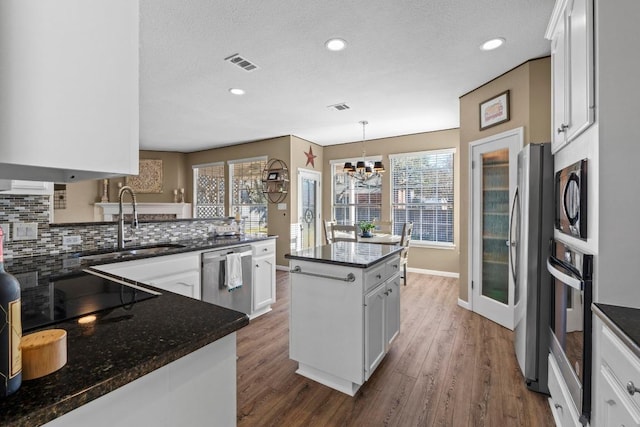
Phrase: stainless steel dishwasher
[214,268]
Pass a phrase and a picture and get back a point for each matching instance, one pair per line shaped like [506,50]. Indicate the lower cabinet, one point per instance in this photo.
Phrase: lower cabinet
[264,277]
[178,273]
[617,403]
[342,320]
[382,322]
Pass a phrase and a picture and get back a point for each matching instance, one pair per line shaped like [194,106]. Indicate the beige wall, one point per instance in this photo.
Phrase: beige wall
[446,260]
[530,99]
[82,195]
[80,199]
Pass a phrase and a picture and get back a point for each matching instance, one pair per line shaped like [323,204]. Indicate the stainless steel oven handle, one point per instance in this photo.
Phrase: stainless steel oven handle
[563,277]
[224,257]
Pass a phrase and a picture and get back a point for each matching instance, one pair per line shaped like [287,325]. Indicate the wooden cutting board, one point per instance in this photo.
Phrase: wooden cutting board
[43,352]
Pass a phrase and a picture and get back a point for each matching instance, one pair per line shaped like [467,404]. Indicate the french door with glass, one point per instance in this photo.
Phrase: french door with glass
[309,208]
[493,184]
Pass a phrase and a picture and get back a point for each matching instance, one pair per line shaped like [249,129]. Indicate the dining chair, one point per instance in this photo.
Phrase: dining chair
[385,227]
[344,233]
[407,228]
[328,233]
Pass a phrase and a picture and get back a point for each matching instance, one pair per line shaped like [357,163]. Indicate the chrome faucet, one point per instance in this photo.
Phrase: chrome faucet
[134,222]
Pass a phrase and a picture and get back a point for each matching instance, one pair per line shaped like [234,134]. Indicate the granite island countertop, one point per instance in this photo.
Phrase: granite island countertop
[623,321]
[122,345]
[350,254]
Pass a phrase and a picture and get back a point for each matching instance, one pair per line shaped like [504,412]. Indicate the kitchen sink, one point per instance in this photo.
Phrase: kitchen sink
[127,253]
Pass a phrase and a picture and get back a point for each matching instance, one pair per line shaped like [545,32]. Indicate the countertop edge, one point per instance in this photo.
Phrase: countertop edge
[56,410]
[397,249]
[617,330]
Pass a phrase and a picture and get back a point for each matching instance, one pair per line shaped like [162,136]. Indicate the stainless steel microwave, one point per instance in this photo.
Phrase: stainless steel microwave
[571,200]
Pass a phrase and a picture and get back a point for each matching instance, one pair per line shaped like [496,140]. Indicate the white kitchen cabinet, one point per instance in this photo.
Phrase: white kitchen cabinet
[264,276]
[342,320]
[617,369]
[8,186]
[178,273]
[563,410]
[70,95]
[382,322]
[572,61]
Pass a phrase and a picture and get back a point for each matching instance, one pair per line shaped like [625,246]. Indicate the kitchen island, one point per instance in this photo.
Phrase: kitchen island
[165,360]
[345,311]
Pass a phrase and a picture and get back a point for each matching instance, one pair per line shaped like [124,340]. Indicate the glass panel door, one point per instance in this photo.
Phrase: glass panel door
[494,176]
[309,208]
[495,225]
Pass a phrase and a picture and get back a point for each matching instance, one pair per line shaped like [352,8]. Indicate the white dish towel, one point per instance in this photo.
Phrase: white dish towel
[233,278]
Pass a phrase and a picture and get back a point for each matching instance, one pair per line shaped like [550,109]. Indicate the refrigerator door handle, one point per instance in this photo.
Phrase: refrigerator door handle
[513,240]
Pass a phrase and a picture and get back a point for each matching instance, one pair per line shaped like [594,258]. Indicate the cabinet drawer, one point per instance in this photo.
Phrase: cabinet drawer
[375,275]
[623,365]
[393,266]
[264,248]
[563,410]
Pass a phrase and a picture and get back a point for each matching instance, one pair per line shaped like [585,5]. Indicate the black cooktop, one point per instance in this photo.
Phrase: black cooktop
[75,296]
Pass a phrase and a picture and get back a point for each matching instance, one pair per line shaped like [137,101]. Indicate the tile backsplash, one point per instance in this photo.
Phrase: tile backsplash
[35,209]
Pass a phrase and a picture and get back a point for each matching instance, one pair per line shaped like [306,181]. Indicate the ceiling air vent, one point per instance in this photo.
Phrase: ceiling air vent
[241,62]
[340,107]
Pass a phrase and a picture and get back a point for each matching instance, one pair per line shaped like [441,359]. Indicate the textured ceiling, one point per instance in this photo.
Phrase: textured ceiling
[406,64]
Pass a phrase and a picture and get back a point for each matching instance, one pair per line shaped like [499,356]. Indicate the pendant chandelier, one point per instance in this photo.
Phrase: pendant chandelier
[364,170]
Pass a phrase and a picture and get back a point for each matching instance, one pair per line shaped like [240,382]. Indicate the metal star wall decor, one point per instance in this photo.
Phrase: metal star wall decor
[310,157]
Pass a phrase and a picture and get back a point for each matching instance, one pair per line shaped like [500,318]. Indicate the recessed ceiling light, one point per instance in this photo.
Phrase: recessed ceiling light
[236,91]
[492,44]
[335,44]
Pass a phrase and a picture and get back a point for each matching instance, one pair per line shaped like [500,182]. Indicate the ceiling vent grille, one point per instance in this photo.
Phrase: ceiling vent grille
[340,107]
[241,62]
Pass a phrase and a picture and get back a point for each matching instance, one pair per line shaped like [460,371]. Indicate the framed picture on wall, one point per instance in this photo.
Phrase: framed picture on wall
[494,111]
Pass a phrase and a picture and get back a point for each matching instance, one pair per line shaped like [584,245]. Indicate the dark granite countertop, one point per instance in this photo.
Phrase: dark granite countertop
[623,321]
[360,255]
[121,346]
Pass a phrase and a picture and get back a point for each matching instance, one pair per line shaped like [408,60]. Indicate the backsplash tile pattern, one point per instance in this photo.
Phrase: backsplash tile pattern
[16,208]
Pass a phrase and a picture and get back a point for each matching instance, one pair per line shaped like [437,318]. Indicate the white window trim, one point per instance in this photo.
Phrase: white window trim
[423,243]
[194,205]
[420,153]
[249,159]
[342,161]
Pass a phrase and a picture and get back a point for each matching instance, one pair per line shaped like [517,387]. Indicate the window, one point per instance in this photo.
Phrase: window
[422,192]
[247,197]
[354,200]
[209,186]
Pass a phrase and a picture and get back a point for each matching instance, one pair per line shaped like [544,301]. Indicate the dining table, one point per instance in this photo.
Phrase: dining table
[381,239]
[378,238]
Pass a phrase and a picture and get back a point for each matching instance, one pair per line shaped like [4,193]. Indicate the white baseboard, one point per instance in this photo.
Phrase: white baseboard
[464,304]
[282,267]
[434,272]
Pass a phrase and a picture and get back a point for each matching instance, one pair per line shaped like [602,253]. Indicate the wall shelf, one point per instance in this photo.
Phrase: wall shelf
[275,180]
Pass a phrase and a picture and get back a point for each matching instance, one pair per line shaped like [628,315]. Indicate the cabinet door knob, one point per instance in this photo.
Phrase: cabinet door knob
[379,276]
[557,406]
[563,128]
[632,389]
[257,265]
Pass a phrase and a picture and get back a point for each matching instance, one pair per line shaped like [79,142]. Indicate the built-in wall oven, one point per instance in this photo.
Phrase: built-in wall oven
[572,273]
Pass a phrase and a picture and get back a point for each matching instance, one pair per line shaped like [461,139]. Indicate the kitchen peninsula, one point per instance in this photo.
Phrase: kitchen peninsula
[164,360]
[345,311]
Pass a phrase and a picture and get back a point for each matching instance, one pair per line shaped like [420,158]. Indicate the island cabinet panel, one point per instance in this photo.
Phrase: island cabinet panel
[343,319]
[326,321]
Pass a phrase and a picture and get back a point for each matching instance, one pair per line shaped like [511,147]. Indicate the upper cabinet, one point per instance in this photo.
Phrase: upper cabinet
[571,33]
[69,85]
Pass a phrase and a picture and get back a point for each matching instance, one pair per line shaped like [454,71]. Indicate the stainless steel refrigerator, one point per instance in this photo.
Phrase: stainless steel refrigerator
[530,234]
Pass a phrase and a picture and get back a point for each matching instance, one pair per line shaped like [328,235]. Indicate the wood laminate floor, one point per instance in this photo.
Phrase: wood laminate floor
[448,367]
